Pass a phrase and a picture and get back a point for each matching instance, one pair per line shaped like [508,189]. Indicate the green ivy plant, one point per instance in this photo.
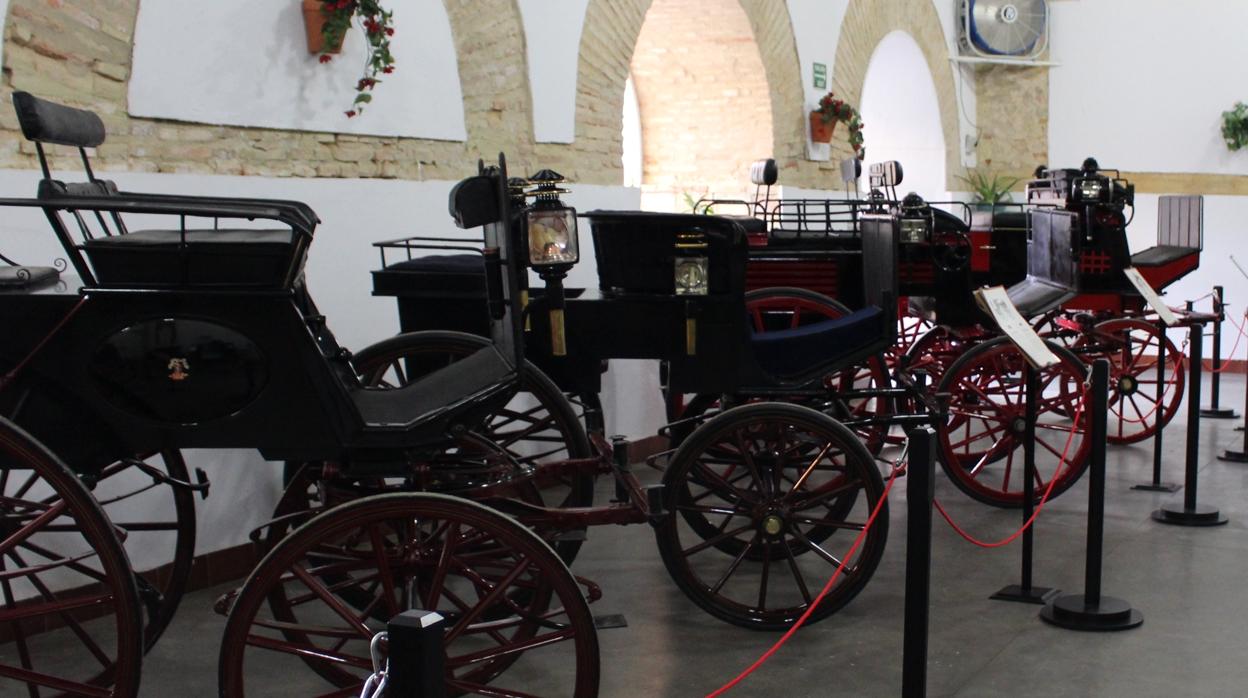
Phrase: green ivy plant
[1235,126]
[377,23]
[989,188]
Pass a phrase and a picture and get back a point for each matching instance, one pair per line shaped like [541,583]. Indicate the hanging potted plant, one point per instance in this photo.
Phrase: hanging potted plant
[831,111]
[327,24]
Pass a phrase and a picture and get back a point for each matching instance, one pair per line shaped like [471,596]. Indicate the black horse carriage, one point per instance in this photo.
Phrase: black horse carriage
[172,337]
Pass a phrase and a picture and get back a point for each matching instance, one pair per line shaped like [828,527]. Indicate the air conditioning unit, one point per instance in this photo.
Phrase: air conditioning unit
[1006,31]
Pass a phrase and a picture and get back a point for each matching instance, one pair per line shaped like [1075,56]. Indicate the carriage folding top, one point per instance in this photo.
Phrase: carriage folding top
[183,336]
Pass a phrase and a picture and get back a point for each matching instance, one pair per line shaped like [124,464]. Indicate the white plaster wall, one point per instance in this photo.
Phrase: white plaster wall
[899,106]
[245,63]
[1143,83]
[245,488]
[552,36]
[4,17]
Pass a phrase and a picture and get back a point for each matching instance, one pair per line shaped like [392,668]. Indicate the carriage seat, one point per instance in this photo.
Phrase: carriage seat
[1161,255]
[248,257]
[1034,297]
[791,353]
[435,399]
[27,277]
[751,225]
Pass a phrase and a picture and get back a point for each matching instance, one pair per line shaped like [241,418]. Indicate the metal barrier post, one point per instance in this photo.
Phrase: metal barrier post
[1024,591]
[1156,485]
[1214,411]
[416,664]
[1091,610]
[1242,455]
[920,489]
[1191,513]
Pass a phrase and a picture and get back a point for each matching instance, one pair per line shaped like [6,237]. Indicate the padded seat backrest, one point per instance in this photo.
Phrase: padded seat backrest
[764,172]
[47,122]
[1053,252]
[1180,221]
[881,238]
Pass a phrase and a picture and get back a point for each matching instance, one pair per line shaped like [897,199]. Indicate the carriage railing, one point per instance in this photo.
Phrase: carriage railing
[100,209]
[410,248]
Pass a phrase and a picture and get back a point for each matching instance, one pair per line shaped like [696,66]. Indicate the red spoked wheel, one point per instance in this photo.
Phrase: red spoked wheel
[517,624]
[936,350]
[981,439]
[766,501]
[1132,347]
[772,309]
[910,329]
[71,622]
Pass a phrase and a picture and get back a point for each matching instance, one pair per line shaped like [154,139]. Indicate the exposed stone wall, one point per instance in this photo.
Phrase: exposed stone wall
[703,95]
[1013,117]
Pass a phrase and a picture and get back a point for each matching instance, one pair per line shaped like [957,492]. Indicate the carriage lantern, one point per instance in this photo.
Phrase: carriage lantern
[550,228]
[915,219]
[690,265]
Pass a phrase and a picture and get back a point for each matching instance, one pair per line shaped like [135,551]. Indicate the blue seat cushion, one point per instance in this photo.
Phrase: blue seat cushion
[794,352]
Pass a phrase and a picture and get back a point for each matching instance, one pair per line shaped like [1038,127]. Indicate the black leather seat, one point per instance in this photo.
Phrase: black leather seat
[26,277]
[448,276]
[210,257]
[799,351]
[750,224]
[436,397]
[1161,255]
[1034,297]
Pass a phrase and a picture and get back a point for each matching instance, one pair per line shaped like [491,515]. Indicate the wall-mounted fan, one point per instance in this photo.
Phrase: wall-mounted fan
[1004,29]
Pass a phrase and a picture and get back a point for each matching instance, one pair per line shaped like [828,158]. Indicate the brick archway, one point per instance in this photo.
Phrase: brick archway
[866,23]
[608,40]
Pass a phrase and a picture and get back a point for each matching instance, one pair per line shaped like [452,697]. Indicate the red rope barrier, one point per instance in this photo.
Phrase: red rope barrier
[1070,438]
[892,478]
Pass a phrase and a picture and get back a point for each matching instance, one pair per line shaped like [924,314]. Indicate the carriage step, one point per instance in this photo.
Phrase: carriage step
[607,621]
[225,602]
[654,500]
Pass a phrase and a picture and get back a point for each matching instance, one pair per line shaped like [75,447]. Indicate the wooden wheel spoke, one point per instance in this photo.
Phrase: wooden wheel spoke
[309,652]
[735,564]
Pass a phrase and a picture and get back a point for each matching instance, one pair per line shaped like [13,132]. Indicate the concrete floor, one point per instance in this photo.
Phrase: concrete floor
[1186,581]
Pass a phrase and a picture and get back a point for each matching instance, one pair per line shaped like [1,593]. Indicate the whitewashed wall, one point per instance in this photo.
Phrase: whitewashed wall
[552,40]
[245,63]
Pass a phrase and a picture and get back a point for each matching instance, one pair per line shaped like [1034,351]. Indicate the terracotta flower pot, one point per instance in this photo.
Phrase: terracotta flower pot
[313,24]
[820,130]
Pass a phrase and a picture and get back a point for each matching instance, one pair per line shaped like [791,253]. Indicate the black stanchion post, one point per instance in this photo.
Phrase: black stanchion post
[1214,411]
[1191,513]
[920,484]
[1092,610]
[1025,591]
[416,662]
[1157,485]
[1240,456]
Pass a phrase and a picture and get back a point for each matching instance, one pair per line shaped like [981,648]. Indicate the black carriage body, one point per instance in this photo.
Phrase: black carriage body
[139,371]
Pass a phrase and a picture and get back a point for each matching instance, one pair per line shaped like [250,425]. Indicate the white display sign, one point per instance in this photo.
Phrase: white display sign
[1151,296]
[996,302]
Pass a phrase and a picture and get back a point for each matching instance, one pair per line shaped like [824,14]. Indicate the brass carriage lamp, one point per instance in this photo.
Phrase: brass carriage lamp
[550,229]
[1090,187]
[915,220]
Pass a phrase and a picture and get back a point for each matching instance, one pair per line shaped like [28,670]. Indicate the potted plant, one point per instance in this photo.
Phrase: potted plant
[989,189]
[831,111]
[327,24]
[1235,126]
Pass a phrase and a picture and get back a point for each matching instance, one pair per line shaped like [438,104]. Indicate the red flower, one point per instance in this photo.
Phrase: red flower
[350,113]
[325,58]
[389,32]
[388,69]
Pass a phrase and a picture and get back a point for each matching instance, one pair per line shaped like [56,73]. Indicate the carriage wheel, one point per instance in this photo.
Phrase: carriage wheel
[539,425]
[64,577]
[935,351]
[772,309]
[779,482]
[979,442]
[1132,348]
[153,515]
[509,602]
[910,329]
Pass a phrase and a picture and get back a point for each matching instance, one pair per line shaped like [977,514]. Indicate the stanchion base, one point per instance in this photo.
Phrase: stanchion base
[1202,515]
[1234,456]
[1073,613]
[1218,413]
[1015,592]
[1157,487]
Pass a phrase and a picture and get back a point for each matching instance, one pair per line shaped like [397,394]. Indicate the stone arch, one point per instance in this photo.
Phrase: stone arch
[607,42]
[866,23]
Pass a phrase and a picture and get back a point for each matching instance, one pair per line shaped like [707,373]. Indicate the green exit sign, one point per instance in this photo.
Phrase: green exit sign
[821,76]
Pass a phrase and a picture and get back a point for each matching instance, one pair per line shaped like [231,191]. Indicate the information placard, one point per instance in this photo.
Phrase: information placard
[996,302]
[1151,296]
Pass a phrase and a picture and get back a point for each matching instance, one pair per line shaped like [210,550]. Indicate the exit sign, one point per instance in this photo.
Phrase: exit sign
[821,76]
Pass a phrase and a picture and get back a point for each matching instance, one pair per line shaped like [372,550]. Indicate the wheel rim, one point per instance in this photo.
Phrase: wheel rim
[778,484]
[514,614]
[71,619]
[981,438]
[1131,346]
